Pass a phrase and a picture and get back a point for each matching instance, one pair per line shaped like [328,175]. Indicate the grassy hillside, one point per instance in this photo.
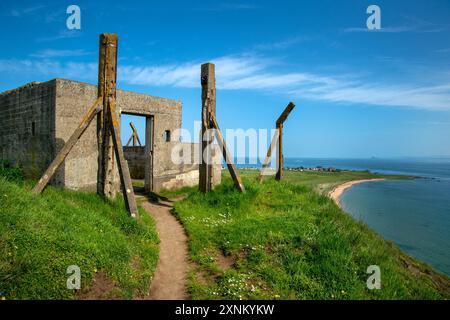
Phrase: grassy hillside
[323,182]
[284,240]
[40,236]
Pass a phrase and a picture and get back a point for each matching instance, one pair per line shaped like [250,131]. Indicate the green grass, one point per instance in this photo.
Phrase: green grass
[288,241]
[41,235]
[323,182]
[10,173]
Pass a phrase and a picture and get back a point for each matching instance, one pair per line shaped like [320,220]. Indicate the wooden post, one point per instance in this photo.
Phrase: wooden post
[124,172]
[279,159]
[208,81]
[62,154]
[226,154]
[280,163]
[279,126]
[107,75]
[134,136]
[108,132]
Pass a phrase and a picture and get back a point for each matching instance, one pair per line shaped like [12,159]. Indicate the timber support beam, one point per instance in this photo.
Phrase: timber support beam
[277,141]
[208,81]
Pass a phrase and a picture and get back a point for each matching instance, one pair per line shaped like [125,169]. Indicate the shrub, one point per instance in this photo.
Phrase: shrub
[10,173]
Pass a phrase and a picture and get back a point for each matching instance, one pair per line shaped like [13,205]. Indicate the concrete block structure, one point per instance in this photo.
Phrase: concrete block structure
[38,118]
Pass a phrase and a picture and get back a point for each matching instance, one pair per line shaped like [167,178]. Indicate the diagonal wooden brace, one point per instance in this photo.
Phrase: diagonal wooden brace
[226,154]
[134,136]
[124,172]
[265,164]
[278,138]
[62,154]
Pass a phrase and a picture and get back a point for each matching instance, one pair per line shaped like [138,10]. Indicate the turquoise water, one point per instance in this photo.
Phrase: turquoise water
[414,214]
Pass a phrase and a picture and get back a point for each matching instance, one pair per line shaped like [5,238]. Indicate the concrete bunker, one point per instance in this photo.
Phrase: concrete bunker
[39,118]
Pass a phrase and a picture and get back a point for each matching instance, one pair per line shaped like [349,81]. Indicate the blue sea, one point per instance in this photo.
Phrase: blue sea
[414,214]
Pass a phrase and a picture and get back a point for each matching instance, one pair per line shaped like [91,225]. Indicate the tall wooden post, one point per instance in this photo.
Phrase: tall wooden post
[107,182]
[208,81]
[280,161]
[108,130]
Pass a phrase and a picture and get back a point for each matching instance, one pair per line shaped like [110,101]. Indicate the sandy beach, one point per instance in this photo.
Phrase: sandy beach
[337,192]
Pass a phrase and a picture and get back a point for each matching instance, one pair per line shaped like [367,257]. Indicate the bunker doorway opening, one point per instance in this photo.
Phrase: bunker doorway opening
[137,135]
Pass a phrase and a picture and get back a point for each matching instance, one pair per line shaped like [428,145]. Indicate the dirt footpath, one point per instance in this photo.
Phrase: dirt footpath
[169,282]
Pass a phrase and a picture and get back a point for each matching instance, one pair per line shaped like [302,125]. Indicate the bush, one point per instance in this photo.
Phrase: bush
[10,173]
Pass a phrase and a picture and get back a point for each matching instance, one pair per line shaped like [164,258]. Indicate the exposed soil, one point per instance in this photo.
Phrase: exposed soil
[169,281]
[225,262]
[101,288]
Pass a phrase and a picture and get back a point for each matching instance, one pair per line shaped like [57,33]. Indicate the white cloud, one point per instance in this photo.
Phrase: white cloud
[413,25]
[227,6]
[49,69]
[52,53]
[20,12]
[383,29]
[62,34]
[431,98]
[247,72]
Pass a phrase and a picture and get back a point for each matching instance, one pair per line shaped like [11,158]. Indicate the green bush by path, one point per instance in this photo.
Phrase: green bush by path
[10,173]
[286,241]
[41,235]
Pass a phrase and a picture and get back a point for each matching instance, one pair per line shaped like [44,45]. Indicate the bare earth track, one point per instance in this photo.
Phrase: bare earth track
[169,282]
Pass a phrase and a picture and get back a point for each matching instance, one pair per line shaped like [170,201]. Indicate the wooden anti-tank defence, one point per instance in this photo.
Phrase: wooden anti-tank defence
[277,138]
[108,131]
[210,128]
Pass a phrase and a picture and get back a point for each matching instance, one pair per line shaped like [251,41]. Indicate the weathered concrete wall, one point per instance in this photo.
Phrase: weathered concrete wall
[135,157]
[73,99]
[56,107]
[27,127]
[185,170]
[174,175]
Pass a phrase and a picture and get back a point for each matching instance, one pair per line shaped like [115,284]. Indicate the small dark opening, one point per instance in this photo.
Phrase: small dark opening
[167,135]
[33,128]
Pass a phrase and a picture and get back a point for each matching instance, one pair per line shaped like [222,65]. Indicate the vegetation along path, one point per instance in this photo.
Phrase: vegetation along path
[169,282]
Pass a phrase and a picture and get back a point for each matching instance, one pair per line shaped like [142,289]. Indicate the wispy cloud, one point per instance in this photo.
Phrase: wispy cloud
[20,12]
[444,50]
[62,34]
[283,44]
[248,72]
[227,6]
[413,25]
[382,30]
[52,53]
[408,95]
[45,69]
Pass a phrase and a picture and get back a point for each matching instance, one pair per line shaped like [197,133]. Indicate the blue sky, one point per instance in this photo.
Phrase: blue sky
[359,93]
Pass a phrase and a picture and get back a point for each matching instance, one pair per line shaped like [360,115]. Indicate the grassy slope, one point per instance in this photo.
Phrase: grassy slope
[323,182]
[40,236]
[290,242]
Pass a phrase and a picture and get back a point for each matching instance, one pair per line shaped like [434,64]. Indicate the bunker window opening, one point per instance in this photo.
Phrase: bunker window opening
[33,128]
[167,136]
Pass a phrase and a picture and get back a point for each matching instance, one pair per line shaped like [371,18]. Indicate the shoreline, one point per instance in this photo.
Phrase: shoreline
[339,190]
